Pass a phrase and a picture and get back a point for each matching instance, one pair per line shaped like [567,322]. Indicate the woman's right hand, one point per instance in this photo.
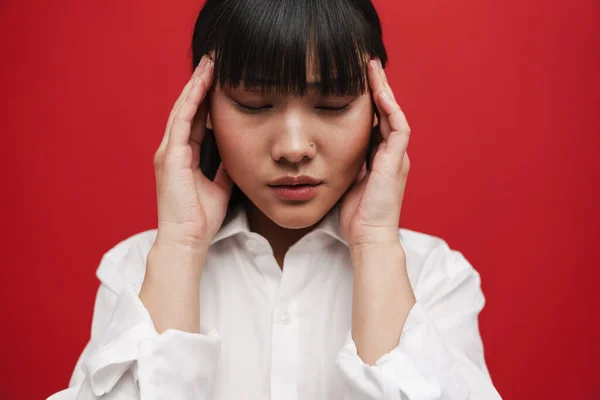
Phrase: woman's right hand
[191,207]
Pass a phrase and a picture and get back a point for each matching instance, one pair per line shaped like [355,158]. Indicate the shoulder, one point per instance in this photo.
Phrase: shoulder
[429,256]
[125,262]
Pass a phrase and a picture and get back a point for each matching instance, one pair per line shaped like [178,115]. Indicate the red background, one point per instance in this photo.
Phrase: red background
[502,97]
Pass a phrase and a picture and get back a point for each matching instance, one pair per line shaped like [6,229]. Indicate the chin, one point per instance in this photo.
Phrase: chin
[296,215]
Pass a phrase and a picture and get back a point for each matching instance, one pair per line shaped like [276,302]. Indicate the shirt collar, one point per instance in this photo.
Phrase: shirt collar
[237,222]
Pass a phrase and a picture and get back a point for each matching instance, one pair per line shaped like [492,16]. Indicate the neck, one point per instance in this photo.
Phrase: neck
[280,239]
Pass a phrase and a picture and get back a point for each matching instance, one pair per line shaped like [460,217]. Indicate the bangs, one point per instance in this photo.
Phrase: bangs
[276,45]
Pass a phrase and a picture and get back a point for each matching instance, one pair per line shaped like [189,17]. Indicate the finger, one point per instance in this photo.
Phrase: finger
[384,79]
[378,78]
[184,93]
[375,81]
[198,128]
[377,87]
[180,131]
[397,142]
[380,86]
[394,115]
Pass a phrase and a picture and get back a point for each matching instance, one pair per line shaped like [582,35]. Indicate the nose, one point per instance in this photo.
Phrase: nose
[293,141]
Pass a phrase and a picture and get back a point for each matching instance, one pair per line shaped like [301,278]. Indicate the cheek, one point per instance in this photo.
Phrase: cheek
[347,150]
[234,140]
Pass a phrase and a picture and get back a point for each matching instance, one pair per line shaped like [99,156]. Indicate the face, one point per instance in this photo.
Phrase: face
[263,136]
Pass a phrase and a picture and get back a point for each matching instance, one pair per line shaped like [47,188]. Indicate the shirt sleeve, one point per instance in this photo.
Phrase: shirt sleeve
[440,353]
[126,358]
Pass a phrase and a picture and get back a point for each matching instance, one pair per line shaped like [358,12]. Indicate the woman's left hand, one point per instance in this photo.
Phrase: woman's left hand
[370,210]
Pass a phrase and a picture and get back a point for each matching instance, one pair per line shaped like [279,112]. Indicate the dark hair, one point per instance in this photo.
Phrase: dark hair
[265,43]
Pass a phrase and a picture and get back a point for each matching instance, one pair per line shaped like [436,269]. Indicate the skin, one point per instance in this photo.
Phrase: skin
[191,207]
[259,146]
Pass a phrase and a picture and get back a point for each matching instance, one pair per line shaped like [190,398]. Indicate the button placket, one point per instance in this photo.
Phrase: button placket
[285,353]
[285,333]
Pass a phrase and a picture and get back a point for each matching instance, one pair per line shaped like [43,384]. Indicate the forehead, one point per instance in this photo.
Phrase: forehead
[293,75]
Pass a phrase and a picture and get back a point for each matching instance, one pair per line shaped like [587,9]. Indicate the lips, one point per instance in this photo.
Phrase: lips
[296,192]
[296,188]
[296,180]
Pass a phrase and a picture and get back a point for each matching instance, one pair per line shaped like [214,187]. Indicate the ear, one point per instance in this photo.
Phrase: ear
[375,120]
[208,121]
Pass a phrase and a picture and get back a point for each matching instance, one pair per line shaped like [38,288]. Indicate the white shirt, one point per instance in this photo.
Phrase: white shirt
[268,333]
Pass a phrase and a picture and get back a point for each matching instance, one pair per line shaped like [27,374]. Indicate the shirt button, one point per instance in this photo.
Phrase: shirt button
[252,245]
[285,318]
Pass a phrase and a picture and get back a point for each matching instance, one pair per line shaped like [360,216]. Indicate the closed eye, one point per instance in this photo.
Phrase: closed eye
[333,105]
[256,109]
[333,109]
[252,109]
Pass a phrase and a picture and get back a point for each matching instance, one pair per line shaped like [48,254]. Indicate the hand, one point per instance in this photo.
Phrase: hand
[370,210]
[191,207]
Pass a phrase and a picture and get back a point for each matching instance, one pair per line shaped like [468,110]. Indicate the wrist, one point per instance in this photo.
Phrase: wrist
[376,249]
[171,287]
[175,262]
[374,238]
[176,243]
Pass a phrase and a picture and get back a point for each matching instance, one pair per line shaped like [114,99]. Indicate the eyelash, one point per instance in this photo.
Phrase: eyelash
[256,110]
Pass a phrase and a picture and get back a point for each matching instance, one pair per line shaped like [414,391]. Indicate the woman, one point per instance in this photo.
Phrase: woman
[278,269]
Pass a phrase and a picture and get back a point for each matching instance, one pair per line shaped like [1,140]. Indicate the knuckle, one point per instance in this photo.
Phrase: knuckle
[179,120]
[177,159]
[201,83]
[170,160]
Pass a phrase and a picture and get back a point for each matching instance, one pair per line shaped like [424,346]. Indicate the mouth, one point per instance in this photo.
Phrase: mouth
[296,181]
[296,188]
[300,192]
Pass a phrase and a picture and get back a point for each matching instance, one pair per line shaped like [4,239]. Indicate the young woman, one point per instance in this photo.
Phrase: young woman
[278,270]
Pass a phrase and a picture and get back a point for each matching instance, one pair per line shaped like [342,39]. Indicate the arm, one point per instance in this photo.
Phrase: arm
[127,357]
[439,354]
[431,335]
[171,288]
[153,346]
[382,299]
